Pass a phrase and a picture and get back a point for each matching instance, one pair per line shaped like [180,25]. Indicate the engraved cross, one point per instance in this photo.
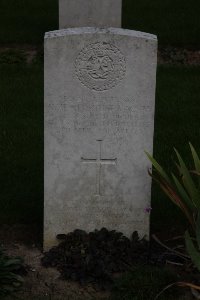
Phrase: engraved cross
[99,161]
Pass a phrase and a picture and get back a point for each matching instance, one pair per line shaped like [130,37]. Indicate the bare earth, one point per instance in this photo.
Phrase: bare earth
[41,283]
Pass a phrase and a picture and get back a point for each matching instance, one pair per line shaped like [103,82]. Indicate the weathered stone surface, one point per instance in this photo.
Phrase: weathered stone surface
[81,13]
[99,119]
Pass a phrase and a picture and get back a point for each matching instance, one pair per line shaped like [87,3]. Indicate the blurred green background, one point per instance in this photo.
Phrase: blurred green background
[176,22]
[177,121]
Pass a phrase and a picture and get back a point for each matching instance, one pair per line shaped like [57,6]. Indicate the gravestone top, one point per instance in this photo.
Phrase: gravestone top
[93,30]
[81,13]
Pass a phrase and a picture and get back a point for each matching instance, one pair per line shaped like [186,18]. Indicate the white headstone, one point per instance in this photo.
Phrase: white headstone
[81,13]
[99,120]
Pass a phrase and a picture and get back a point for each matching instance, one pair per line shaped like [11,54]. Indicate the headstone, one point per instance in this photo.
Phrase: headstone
[99,120]
[82,13]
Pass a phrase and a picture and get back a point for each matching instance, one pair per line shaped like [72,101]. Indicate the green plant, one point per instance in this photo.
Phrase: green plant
[144,283]
[183,189]
[193,246]
[10,281]
[12,56]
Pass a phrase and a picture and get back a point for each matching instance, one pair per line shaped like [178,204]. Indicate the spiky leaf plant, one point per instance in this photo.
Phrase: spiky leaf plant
[10,281]
[184,189]
[193,245]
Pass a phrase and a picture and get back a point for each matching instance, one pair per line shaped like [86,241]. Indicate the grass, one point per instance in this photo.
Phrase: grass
[26,21]
[145,283]
[21,138]
[175,22]
[176,123]
[21,143]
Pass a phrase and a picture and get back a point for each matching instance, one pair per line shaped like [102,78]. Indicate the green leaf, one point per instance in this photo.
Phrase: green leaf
[173,195]
[192,251]
[158,168]
[183,193]
[195,157]
[198,230]
[188,182]
[13,262]
[9,280]
[196,160]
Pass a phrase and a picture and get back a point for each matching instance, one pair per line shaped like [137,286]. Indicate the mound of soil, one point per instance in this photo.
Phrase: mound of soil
[95,256]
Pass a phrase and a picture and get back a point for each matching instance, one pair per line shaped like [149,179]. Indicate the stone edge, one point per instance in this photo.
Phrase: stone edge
[93,30]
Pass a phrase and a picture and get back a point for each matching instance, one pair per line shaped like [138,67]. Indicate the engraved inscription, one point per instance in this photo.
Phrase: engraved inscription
[98,115]
[99,161]
[100,66]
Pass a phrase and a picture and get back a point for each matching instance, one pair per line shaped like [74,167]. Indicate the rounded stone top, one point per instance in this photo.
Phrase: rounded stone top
[97,30]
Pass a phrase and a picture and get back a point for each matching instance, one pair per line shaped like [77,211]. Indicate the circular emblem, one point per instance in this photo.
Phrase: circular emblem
[100,66]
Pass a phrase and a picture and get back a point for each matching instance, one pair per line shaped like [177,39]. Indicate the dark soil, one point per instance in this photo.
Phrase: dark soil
[91,264]
[41,283]
[97,256]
